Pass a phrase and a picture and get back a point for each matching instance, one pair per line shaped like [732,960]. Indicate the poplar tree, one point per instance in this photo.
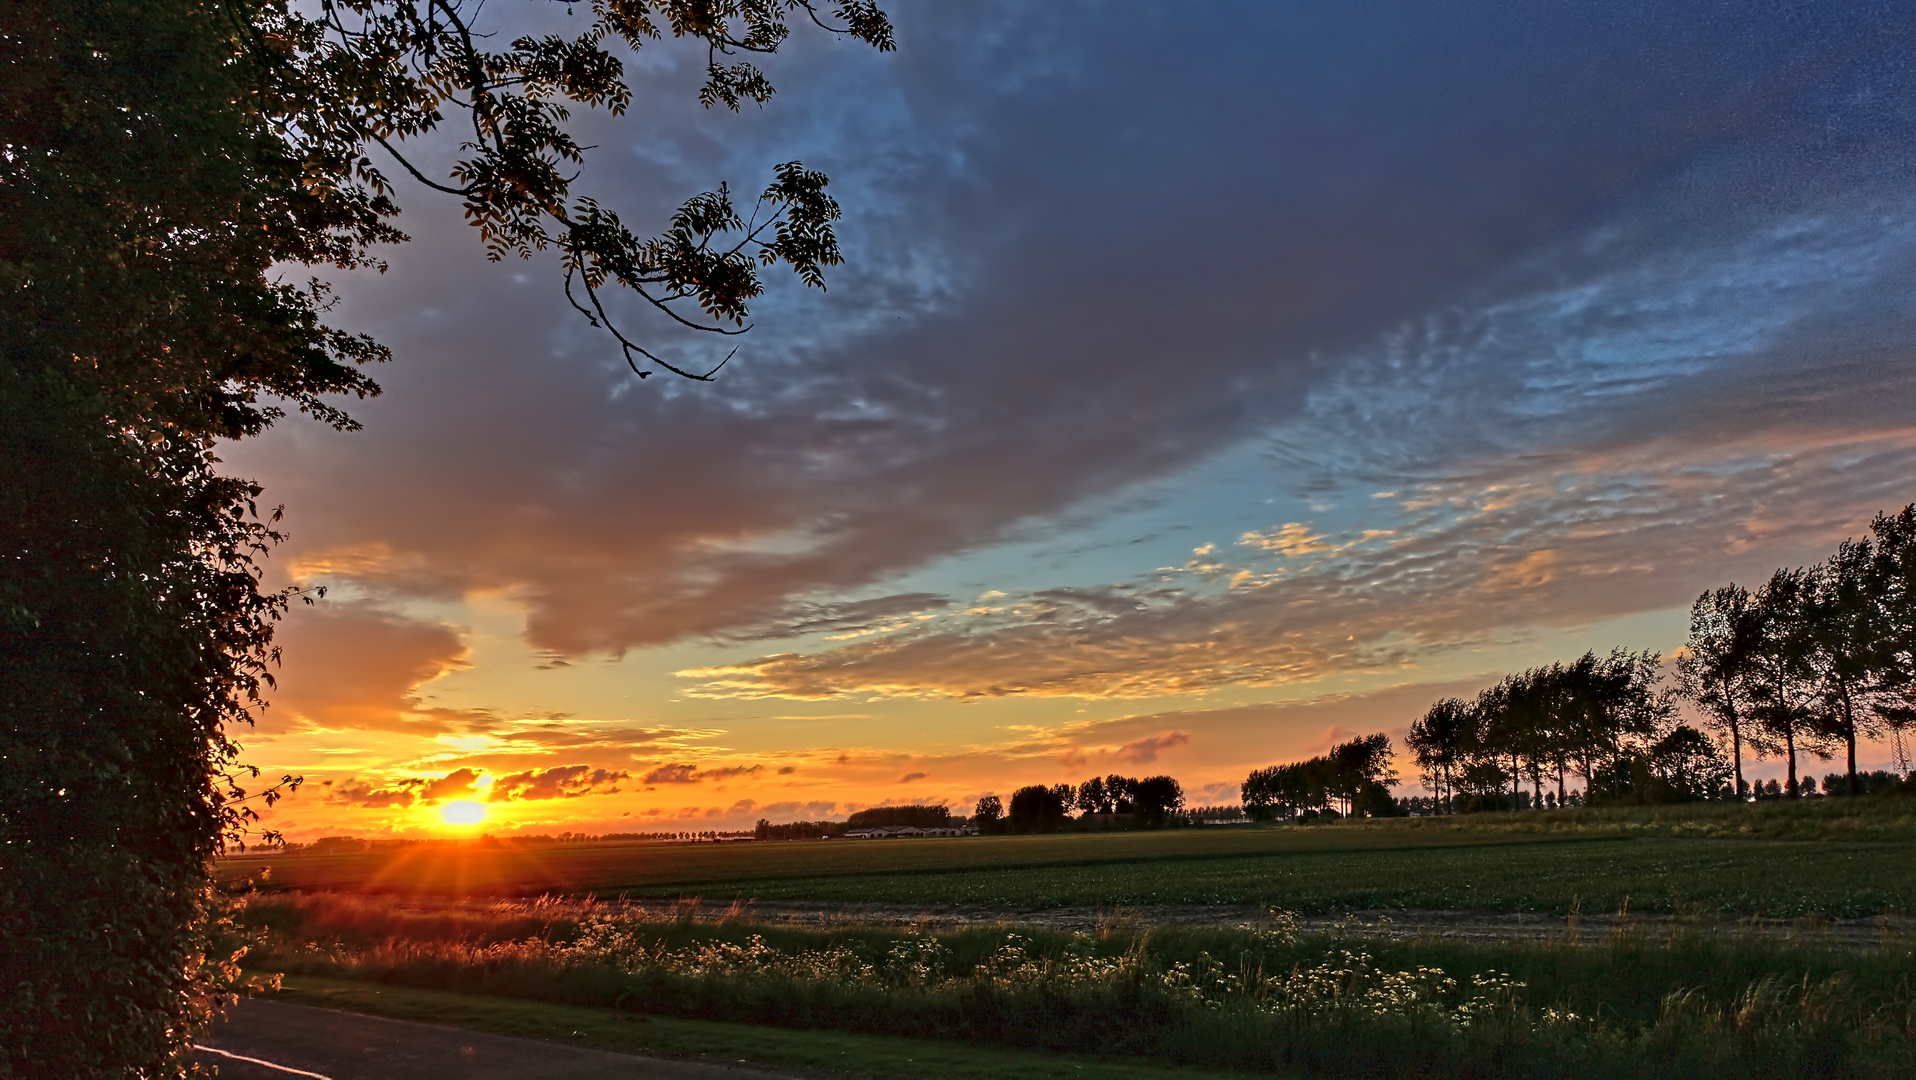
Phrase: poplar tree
[1717,668]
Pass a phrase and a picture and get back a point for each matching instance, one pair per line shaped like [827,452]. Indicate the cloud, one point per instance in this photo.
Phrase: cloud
[909,777]
[1221,794]
[1616,300]
[558,782]
[458,784]
[351,792]
[355,667]
[679,773]
[985,361]
[1293,539]
[1144,751]
[672,774]
[1595,536]
[574,735]
[792,809]
[842,620]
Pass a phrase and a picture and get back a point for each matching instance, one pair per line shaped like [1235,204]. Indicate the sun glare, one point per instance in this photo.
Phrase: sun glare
[463,813]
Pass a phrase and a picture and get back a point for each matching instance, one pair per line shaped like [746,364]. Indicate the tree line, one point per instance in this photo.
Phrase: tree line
[1355,775]
[1816,658]
[1811,662]
[1112,801]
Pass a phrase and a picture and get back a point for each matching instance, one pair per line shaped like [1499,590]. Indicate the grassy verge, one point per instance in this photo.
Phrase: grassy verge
[718,1042]
[1682,1004]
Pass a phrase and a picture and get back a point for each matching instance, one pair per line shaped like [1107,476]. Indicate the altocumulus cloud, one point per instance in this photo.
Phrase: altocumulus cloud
[1402,186]
[1612,532]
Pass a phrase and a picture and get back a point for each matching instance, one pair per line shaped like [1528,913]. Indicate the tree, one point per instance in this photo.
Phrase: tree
[920,817]
[1785,684]
[1615,708]
[1688,764]
[988,813]
[1438,742]
[1067,797]
[362,72]
[1892,582]
[1092,798]
[163,159]
[1717,669]
[1157,797]
[1036,808]
[1357,765]
[1842,626]
[1357,771]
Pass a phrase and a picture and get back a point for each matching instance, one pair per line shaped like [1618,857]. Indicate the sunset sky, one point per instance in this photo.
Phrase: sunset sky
[1205,384]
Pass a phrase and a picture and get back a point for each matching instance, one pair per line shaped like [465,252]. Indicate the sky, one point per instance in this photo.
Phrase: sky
[1205,384]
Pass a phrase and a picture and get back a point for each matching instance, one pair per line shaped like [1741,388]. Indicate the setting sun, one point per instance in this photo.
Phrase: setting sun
[463,813]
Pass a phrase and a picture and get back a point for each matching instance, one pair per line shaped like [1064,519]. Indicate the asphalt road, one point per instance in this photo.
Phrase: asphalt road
[290,1042]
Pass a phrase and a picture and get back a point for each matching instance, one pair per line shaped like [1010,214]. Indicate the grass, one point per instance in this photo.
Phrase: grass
[1683,1003]
[1841,858]
[412,933]
[718,1042]
[1680,876]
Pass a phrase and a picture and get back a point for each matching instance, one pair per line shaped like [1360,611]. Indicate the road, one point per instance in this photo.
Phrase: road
[297,1042]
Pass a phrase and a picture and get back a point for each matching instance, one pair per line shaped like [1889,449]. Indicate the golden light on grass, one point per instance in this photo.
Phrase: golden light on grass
[462,812]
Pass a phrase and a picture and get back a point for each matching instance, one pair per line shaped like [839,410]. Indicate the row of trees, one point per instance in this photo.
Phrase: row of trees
[1356,775]
[1151,802]
[875,817]
[1813,661]
[1596,718]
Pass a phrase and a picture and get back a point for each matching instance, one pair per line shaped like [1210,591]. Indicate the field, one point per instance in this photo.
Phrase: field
[1264,999]
[598,939]
[1838,859]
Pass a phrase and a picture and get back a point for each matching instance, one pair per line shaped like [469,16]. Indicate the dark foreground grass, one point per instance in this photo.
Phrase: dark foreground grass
[718,1042]
[1841,858]
[1266,1000]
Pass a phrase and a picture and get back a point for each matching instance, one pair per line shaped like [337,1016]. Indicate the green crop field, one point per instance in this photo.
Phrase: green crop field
[1835,860]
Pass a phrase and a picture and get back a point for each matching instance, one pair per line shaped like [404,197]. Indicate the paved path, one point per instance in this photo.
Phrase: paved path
[298,1042]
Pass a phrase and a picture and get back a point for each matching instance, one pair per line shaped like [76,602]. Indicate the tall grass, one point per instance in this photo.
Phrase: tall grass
[1261,997]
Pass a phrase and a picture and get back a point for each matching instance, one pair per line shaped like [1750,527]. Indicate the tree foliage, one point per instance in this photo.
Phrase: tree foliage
[1717,670]
[921,817]
[1590,717]
[1818,658]
[1356,774]
[356,75]
[1812,662]
[1037,808]
[164,161]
